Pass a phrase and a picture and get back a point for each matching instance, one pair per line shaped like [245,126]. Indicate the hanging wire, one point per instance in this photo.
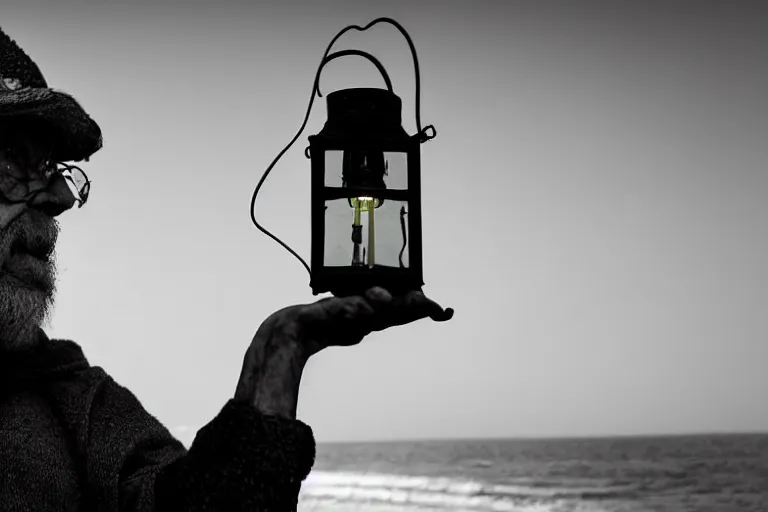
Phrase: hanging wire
[316,89]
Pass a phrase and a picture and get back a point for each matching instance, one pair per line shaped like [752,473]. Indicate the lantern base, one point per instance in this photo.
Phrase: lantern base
[347,281]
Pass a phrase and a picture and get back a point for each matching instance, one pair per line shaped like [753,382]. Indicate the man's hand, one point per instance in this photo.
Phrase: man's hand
[274,361]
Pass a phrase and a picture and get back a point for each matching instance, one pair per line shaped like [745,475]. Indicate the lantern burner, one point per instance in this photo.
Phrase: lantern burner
[364,169]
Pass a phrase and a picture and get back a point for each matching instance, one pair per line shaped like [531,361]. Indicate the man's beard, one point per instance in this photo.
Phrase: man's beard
[27,283]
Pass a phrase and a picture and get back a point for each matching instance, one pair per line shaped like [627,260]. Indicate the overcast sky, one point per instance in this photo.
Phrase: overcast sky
[595,209]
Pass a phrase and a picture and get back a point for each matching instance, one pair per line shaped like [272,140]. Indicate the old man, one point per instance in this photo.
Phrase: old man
[73,439]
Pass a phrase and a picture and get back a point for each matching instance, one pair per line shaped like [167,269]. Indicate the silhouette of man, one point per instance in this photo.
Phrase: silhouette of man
[73,439]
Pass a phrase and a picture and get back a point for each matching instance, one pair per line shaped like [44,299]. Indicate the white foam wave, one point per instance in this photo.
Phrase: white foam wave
[413,492]
[313,505]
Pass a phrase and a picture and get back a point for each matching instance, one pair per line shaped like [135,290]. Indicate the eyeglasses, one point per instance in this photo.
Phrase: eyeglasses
[21,190]
[76,180]
[27,171]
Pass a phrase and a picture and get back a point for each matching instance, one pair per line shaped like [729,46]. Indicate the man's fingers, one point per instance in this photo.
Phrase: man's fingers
[356,307]
[334,308]
[409,308]
[443,316]
[343,320]
[383,310]
[346,320]
[378,296]
[424,307]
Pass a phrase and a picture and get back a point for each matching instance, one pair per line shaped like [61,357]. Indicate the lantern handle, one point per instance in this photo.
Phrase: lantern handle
[344,53]
[413,54]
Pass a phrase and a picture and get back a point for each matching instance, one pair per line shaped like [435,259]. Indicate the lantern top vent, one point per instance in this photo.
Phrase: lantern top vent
[364,113]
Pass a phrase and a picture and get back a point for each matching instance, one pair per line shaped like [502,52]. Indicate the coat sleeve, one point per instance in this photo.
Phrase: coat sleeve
[241,460]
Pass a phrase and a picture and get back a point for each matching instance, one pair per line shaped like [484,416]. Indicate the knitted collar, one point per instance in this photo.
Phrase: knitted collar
[49,359]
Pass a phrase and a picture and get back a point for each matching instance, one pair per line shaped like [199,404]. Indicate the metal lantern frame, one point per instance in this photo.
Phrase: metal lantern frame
[346,280]
[349,280]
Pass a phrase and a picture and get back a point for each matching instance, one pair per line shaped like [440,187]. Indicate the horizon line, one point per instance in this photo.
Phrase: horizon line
[555,438]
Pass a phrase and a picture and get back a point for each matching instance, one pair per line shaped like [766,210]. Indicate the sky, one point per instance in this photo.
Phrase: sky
[595,209]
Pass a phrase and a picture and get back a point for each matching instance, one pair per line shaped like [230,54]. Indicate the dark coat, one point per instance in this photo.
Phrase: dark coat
[72,439]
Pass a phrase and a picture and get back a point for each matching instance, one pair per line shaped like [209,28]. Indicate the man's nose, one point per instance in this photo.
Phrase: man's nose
[54,199]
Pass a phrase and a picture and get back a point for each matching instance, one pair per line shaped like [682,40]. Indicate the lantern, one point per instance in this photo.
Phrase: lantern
[365,188]
[366,204]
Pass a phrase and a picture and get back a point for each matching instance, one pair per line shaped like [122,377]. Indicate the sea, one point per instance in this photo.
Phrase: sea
[713,473]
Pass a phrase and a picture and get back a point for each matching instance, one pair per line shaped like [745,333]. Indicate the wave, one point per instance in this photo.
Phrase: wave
[450,493]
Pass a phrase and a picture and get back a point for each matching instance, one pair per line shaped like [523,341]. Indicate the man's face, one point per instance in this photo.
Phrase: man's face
[28,233]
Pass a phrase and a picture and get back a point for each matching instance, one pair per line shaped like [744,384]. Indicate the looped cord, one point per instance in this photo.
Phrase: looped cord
[423,136]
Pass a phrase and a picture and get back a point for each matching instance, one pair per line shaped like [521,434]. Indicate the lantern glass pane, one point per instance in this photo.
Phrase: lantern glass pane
[361,236]
[395,165]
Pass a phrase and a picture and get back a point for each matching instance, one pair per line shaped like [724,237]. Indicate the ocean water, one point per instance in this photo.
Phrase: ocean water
[727,473]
